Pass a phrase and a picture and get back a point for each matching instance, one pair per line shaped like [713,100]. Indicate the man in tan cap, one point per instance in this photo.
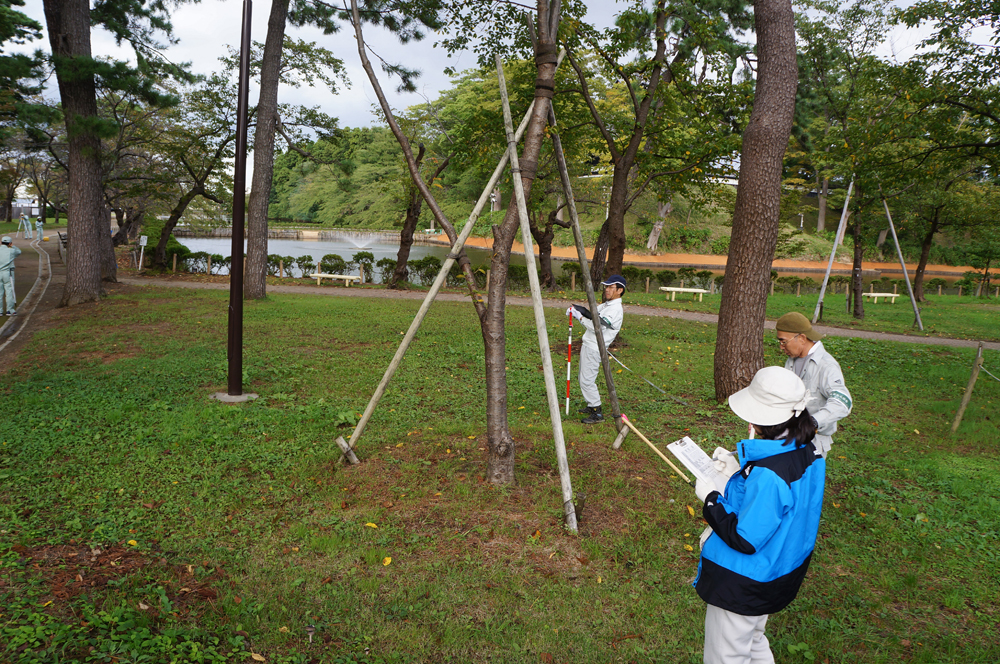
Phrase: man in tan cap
[829,400]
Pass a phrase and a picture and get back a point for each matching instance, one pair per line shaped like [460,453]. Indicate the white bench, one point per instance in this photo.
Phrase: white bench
[876,296]
[347,278]
[673,291]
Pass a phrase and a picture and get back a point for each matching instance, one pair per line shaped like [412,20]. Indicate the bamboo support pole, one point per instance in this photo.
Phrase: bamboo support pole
[585,270]
[438,282]
[976,366]
[833,253]
[902,263]
[536,301]
[653,447]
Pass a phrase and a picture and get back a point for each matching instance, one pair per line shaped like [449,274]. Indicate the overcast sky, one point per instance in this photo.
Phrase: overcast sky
[205,30]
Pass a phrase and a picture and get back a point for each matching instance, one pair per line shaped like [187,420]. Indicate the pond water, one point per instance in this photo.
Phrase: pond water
[345,248]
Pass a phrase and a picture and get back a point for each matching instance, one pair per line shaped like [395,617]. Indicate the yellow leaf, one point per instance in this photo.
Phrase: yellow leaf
[257,658]
[386,561]
[133,543]
[598,579]
[283,629]
[370,525]
[471,437]
[690,510]
[688,547]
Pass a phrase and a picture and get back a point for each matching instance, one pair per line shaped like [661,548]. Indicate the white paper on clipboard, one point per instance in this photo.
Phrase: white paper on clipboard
[699,463]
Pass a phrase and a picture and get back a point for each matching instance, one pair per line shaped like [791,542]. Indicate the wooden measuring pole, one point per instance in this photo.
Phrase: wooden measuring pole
[976,365]
[569,509]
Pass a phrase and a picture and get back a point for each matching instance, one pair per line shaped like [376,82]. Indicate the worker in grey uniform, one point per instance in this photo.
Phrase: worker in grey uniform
[26,224]
[39,223]
[8,252]
[829,399]
[611,314]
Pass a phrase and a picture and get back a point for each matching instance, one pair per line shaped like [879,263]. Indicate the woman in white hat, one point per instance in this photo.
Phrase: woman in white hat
[765,526]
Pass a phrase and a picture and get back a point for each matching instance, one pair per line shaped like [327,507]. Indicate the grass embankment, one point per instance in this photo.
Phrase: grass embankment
[143,520]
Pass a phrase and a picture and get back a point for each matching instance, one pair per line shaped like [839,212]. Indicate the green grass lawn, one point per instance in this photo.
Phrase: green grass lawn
[142,521]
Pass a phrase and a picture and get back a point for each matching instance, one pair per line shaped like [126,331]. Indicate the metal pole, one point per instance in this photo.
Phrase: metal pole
[899,252]
[833,252]
[569,509]
[581,252]
[235,349]
[397,359]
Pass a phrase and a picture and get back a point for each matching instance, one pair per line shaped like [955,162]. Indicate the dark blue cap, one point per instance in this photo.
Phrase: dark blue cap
[615,280]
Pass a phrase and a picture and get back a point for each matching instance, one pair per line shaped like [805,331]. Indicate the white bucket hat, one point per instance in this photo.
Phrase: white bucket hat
[774,396]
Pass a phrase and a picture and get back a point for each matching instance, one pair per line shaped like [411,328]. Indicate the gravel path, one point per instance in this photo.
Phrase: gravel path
[331,291]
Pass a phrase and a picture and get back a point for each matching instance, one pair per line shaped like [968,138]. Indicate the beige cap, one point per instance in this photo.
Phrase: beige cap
[798,324]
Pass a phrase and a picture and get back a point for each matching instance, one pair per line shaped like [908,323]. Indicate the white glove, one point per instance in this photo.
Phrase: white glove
[576,313]
[569,311]
[702,488]
[725,461]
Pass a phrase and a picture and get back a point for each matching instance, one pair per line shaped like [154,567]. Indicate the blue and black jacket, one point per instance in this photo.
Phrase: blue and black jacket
[764,528]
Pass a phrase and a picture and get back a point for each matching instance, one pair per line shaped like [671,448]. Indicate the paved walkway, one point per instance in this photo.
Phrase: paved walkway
[42,275]
[340,291]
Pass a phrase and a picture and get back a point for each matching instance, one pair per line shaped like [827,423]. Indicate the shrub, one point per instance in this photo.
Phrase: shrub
[636,277]
[424,269]
[386,267]
[704,277]
[720,245]
[333,264]
[686,274]
[305,265]
[666,277]
[196,261]
[366,261]
[275,262]
[221,263]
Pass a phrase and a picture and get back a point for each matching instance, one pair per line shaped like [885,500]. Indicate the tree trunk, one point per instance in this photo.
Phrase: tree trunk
[68,23]
[400,274]
[739,351]
[662,211]
[857,281]
[925,254]
[824,191]
[500,461]
[543,238]
[255,276]
[160,253]
[109,263]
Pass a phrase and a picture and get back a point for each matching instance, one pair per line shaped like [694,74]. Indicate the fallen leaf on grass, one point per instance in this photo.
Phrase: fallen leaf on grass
[690,510]
[237,599]
[143,606]
[688,547]
[386,561]
[326,581]
[283,629]
[370,525]
[257,658]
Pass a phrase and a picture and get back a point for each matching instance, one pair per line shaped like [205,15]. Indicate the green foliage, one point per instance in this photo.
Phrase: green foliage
[720,245]
[636,276]
[332,264]
[387,267]
[666,277]
[424,269]
[366,261]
